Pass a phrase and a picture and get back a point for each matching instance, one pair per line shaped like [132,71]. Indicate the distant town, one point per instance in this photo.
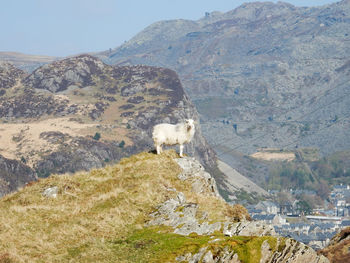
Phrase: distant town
[314,228]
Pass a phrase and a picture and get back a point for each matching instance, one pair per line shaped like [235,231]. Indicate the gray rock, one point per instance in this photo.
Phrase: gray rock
[182,216]
[222,255]
[265,252]
[202,182]
[198,256]
[248,228]
[181,198]
[208,257]
[51,192]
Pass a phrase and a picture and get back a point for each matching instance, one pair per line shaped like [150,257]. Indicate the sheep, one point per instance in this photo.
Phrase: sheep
[169,134]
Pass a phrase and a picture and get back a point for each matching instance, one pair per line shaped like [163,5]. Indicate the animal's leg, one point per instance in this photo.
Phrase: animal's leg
[159,149]
[181,150]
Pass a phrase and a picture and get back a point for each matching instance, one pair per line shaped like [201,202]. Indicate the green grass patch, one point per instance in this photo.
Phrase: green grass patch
[155,244]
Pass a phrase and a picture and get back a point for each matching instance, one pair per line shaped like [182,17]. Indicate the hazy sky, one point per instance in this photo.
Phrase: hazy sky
[67,27]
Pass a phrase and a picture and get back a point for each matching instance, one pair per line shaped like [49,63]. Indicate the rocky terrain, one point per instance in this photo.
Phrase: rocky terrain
[338,249]
[79,113]
[262,75]
[147,208]
[13,175]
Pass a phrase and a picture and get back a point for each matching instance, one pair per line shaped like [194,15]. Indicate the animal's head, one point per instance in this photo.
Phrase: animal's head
[189,125]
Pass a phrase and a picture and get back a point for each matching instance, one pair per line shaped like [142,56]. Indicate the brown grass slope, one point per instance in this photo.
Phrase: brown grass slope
[338,251]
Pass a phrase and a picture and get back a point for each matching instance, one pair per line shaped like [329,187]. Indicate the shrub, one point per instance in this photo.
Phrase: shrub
[23,160]
[97,136]
[121,144]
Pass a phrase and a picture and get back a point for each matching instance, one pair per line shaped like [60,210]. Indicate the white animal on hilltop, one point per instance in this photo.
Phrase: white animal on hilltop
[169,134]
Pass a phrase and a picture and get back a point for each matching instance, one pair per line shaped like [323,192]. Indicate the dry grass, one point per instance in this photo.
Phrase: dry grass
[274,156]
[91,209]
[23,139]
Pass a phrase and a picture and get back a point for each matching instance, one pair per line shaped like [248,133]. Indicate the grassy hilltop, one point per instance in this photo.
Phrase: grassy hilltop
[101,216]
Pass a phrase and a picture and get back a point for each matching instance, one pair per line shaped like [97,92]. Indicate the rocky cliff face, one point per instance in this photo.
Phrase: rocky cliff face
[79,113]
[278,75]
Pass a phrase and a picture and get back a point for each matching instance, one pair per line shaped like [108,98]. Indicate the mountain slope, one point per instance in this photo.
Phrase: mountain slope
[14,174]
[276,74]
[338,249]
[79,113]
[105,215]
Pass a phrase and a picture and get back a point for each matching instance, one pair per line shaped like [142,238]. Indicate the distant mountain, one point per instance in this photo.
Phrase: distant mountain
[79,113]
[24,61]
[262,75]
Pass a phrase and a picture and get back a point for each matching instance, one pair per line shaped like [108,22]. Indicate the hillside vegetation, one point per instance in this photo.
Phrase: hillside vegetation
[99,216]
[307,170]
[104,216]
[312,174]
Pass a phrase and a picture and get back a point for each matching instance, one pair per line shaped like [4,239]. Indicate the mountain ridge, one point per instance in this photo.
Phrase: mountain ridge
[263,65]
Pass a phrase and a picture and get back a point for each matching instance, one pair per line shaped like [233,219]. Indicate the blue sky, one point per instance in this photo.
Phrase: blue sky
[67,27]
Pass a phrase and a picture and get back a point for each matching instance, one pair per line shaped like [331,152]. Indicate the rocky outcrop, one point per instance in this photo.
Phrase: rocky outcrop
[202,181]
[59,75]
[14,174]
[289,251]
[187,218]
[338,249]
[112,109]
[9,75]
[182,215]
[116,200]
